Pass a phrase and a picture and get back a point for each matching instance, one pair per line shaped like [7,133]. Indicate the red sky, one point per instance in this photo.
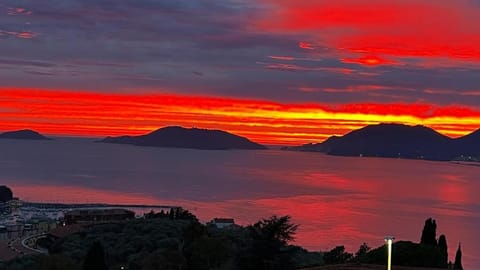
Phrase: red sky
[99,114]
[276,71]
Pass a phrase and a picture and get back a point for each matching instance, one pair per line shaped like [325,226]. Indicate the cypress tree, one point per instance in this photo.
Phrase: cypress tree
[458,259]
[442,245]
[429,233]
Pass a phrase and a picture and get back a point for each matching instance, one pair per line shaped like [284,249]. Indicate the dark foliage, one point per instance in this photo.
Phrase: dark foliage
[337,256]
[442,245]
[407,254]
[209,253]
[57,262]
[275,229]
[95,259]
[429,233]
[303,258]
[164,260]
[362,252]
[458,259]
[6,194]
[176,240]
[268,245]
[173,214]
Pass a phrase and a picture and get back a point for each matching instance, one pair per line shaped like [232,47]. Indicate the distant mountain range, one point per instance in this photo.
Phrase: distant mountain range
[179,137]
[399,141]
[25,134]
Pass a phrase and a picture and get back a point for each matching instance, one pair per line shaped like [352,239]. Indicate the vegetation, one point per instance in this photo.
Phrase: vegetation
[267,246]
[430,252]
[429,233]
[442,245]
[95,259]
[337,256]
[176,240]
[6,194]
[458,259]
[407,254]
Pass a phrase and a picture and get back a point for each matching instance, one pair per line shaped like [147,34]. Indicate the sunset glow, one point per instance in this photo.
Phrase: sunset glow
[95,114]
[82,80]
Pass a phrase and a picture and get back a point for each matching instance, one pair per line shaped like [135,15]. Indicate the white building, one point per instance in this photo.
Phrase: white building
[222,222]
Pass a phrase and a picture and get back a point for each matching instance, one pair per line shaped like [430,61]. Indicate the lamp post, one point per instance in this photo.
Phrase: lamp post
[389,241]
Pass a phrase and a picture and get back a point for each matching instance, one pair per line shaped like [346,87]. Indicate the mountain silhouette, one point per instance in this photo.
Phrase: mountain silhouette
[179,137]
[25,134]
[469,144]
[399,141]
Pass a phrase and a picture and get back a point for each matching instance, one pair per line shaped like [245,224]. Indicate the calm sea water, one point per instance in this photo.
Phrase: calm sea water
[336,200]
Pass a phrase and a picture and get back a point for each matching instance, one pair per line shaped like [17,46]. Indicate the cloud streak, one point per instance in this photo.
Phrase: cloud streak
[328,53]
[89,113]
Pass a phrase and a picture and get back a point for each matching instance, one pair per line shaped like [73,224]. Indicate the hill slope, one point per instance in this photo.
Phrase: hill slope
[400,141]
[25,134]
[179,137]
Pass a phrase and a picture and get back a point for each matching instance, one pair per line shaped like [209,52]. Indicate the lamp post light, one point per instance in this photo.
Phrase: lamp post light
[389,241]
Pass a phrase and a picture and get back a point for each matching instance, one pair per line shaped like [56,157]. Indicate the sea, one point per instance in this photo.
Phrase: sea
[335,200]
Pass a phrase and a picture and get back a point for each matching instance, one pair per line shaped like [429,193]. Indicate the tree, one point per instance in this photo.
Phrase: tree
[275,229]
[337,256]
[55,262]
[209,252]
[268,245]
[6,194]
[164,260]
[95,259]
[362,251]
[458,259]
[184,214]
[429,233]
[442,245]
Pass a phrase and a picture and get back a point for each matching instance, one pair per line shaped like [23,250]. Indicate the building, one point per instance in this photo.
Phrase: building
[221,223]
[89,216]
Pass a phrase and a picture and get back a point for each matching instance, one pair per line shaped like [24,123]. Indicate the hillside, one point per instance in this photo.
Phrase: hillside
[398,141]
[179,137]
[25,134]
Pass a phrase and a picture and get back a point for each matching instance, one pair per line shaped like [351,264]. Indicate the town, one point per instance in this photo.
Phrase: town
[23,224]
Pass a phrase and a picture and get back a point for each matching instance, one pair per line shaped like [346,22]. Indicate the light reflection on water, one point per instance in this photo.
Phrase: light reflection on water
[335,200]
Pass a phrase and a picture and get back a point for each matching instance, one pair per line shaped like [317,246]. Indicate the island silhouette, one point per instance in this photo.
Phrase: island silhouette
[398,141]
[24,134]
[195,138]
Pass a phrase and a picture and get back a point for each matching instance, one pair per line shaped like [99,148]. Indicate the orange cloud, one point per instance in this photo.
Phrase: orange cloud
[95,114]
[368,60]
[22,34]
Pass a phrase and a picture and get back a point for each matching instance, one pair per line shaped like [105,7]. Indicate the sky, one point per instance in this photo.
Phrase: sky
[276,71]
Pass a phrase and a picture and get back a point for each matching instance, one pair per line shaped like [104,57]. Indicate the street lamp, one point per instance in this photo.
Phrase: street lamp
[389,241]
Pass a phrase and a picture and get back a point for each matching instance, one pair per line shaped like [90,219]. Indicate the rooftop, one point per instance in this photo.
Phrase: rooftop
[223,220]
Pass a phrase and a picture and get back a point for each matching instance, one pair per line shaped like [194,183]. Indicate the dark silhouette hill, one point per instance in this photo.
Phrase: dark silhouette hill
[399,141]
[179,137]
[469,144]
[324,147]
[25,134]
